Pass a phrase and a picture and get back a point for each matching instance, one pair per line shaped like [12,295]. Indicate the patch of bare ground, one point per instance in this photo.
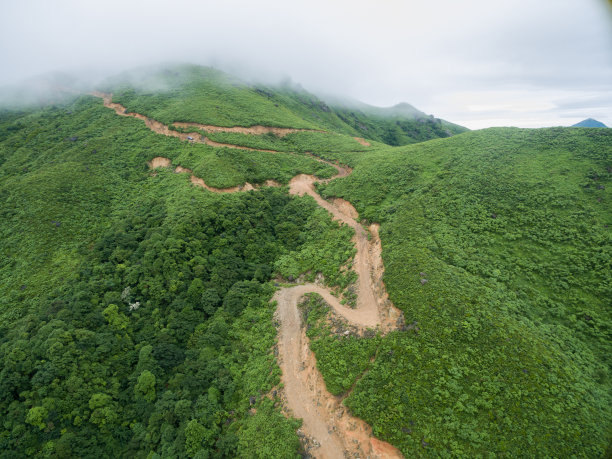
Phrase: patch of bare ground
[159,161]
[253,130]
[362,141]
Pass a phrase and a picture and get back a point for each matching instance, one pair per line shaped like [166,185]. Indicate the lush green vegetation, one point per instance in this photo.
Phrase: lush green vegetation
[317,253]
[204,95]
[295,142]
[342,354]
[497,247]
[101,154]
[136,314]
[135,318]
[398,125]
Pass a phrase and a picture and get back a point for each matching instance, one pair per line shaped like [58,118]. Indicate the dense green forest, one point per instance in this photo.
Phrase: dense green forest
[135,313]
[135,308]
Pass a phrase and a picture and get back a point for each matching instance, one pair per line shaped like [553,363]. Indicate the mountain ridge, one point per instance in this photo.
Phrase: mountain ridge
[398,125]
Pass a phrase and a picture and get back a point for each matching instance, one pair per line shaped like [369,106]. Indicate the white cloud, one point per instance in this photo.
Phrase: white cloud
[516,57]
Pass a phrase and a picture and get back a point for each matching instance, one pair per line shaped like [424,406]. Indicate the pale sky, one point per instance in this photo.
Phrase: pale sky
[479,63]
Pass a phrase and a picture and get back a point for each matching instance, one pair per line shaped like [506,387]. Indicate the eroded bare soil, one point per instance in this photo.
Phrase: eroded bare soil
[362,141]
[160,161]
[253,130]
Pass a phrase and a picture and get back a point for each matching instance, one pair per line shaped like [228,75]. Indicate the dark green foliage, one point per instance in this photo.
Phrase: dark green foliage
[279,440]
[318,253]
[395,125]
[145,325]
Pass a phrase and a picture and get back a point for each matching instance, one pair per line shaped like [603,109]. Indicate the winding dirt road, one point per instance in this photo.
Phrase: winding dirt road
[333,431]
[197,137]
[161,128]
[328,429]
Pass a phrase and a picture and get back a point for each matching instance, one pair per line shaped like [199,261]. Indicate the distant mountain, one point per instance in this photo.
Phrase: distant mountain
[590,122]
[400,124]
[348,103]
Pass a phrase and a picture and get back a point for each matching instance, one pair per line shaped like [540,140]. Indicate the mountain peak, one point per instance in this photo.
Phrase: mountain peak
[403,106]
[590,122]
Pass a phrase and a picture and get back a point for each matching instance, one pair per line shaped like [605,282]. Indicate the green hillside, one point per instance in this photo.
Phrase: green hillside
[511,230]
[87,231]
[401,124]
[208,96]
[135,313]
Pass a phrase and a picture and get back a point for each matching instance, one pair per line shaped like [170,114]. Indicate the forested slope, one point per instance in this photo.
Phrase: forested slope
[135,307]
[135,314]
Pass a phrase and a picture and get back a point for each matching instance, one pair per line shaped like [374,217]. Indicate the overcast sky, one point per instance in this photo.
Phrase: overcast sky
[479,63]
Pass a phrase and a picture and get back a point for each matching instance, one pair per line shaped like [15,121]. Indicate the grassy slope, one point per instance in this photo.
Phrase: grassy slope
[204,95]
[511,230]
[200,94]
[294,142]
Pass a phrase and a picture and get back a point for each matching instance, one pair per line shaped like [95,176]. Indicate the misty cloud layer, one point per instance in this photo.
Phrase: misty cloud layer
[478,63]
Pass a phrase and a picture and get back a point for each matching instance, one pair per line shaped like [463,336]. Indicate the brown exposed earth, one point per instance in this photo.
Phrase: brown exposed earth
[362,141]
[331,431]
[253,130]
[160,161]
[328,430]
[196,137]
